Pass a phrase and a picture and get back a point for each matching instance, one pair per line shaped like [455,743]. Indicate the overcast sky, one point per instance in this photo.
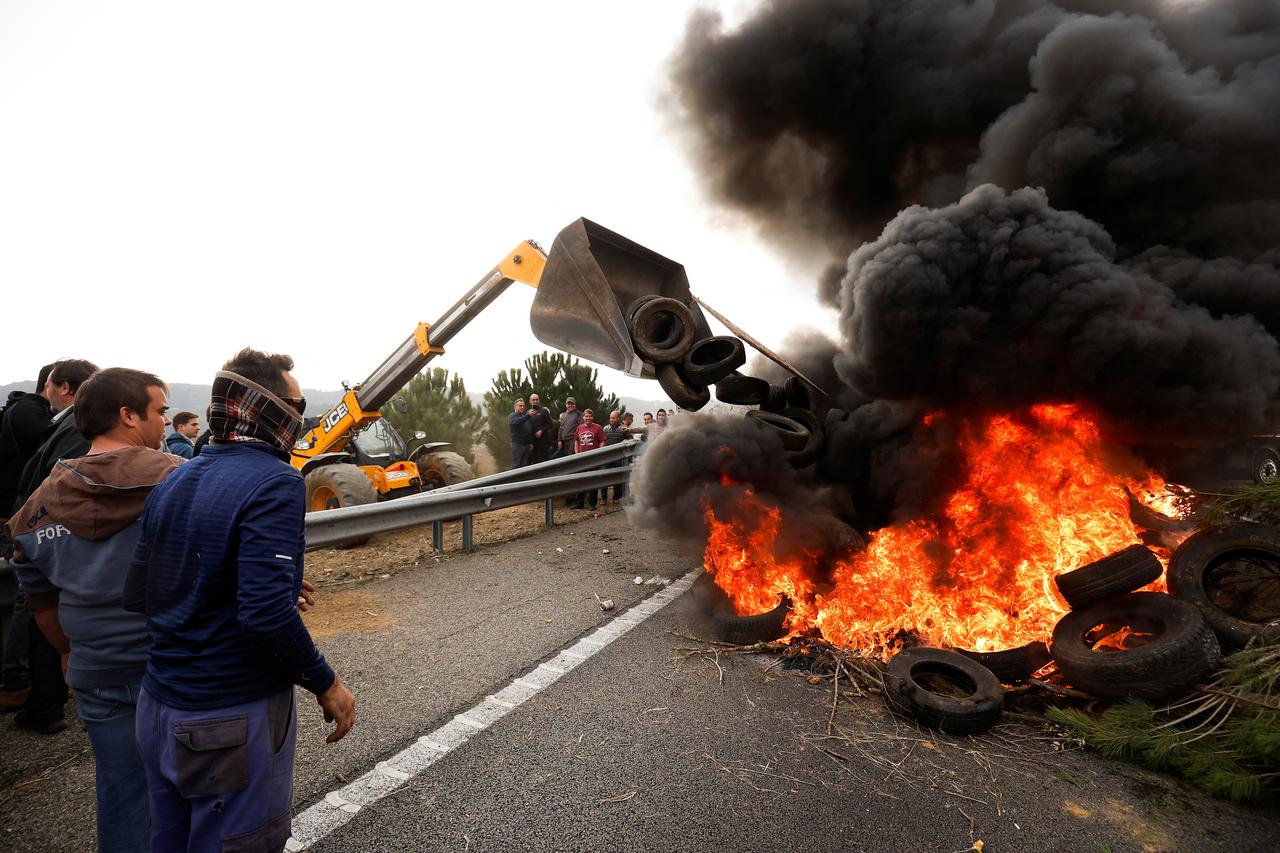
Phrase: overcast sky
[179,180]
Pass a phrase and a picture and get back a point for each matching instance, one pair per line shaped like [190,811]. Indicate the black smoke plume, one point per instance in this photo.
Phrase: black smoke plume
[1023,201]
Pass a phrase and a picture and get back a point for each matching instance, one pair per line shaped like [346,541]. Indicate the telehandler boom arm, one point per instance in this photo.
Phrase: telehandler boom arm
[364,402]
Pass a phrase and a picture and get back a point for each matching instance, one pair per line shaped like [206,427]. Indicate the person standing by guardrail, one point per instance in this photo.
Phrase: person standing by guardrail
[540,423]
[615,432]
[567,439]
[218,572]
[521,435]
[590,435]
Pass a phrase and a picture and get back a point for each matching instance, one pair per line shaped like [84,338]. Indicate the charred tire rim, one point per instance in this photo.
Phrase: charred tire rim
[739,390]
[685,394]
[1201,570]
[663,330]
[776,401]
[817,442]
[1266,468]
[798,396]
[1112,576]
[793,433]
[746,630]
[1182,653]
[712,359]
[909,687]
[1013,665]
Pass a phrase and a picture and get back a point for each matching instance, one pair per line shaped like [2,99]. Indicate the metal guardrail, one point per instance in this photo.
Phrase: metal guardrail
[465,500]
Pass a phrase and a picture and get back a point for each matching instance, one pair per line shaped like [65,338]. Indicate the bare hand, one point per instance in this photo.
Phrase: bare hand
[66,656]
[338,705]
[307,599]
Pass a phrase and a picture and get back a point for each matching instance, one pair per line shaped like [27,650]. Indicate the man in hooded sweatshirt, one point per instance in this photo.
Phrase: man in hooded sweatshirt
[74,538]
[218,568]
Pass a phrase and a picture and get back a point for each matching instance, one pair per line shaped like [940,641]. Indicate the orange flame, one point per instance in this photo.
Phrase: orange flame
[1037,496]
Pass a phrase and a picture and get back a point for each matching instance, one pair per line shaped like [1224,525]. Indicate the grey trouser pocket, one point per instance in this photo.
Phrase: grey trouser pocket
[212,758]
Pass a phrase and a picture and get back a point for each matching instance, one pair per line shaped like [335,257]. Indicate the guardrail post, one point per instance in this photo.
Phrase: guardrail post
[467,544]
[437,536]
[551,512]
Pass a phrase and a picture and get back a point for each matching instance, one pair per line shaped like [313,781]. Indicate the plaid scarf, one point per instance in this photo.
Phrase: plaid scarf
[242,410]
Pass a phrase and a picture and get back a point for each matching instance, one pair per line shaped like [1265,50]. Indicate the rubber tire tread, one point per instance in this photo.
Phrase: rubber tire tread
[1189,562]
[1013,665]
[738,390]
[776,401]
[685,394]
[711,373]
[671,349]
[817,442]
[1108,578]
[793,433]
[950,714]
[1184,655]
[748,630]
[350,484]
[456,468]
[798,396]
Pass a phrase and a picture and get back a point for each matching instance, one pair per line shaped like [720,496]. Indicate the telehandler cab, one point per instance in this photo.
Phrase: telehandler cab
[351,456]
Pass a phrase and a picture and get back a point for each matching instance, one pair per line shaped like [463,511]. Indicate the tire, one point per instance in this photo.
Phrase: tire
[776,401]
[712,359]
[739,390]
[817,442]
[685,394]
[793,433]
[443,468]
[663,330]
[1206,559]
[1108,578]
[1013,665]
[911,687]
[1266,467]
[337,485]
[798,396]
[1182,654]
[747,630]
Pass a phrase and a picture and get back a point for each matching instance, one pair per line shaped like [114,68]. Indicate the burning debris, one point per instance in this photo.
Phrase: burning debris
[1054,227]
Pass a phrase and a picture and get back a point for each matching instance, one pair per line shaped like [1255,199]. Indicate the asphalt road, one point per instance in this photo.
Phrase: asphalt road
[645,746]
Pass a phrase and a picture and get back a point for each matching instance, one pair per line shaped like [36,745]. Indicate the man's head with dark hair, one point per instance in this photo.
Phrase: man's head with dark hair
[65,378]
[266,369]
[128,403]
[43,378]
[186,424]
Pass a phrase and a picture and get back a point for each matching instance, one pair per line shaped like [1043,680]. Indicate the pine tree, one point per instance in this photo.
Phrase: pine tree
[438,405]
[553,376]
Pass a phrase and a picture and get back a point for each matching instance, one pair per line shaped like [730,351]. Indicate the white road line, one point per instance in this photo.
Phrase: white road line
[316,822]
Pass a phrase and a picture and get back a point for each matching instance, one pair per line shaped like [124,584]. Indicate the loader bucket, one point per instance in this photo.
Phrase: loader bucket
[592,277]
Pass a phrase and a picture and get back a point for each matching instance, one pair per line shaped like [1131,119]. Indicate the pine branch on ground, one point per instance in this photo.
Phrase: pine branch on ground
[1224,738]
[1254,503]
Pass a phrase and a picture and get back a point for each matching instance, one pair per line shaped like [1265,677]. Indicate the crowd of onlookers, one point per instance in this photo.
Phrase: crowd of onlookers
[539,435]
[160,578]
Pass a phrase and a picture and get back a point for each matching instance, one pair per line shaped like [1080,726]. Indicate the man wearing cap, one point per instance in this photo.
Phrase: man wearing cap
[567,442]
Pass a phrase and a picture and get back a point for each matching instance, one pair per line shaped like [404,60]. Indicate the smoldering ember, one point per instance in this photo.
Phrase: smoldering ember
[986,559]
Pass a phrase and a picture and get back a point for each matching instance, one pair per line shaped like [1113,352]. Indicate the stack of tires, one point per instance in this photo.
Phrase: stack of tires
[663,332]
[1116,642]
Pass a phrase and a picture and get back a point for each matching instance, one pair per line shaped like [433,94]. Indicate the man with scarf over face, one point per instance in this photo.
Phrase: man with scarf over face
[218,570]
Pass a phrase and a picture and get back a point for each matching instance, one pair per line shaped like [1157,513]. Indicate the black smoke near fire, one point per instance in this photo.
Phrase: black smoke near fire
[1024,202]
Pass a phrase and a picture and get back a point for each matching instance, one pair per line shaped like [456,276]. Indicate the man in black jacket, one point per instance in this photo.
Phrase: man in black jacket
[45,709]
[22,428]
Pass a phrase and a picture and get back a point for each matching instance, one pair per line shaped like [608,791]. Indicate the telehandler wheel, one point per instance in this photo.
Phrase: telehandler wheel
[443,468]
[338,485]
